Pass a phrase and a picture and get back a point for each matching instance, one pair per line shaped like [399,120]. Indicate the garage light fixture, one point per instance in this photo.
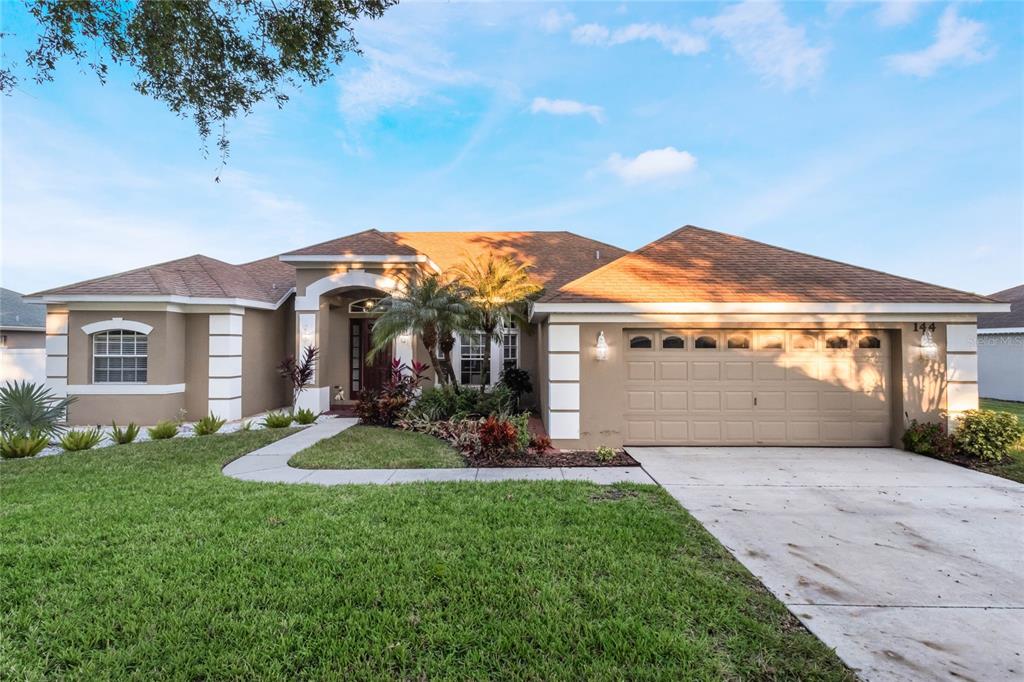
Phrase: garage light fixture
[929,348]
[601,349]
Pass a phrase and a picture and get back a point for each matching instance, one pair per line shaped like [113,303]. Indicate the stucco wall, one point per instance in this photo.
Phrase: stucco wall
[197,365]
[1001,366]
[18,338]
[265,344]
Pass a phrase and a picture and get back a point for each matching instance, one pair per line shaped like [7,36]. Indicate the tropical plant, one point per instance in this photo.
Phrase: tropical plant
[305,416]
[163,430]
[208,424]
[26,408]
[246,425]
[540,443]
[125,435]
[428,307]
[84,439]
[384,406]
[299,373]
[277,420]
[517,380]
[928,438]
[522,423]
[987,435]
[497,290]
[499,438]
[15,445]
[452,401]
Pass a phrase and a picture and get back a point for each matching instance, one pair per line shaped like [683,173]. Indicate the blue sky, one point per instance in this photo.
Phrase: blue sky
[883,134]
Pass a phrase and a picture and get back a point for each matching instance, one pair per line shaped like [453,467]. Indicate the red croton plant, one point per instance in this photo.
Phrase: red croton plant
[384,406]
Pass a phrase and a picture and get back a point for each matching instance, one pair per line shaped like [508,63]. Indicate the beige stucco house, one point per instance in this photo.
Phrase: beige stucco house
[697,338]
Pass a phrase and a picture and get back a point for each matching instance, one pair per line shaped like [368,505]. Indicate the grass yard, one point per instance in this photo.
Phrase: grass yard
[1011,467]
[376,447]
[145,562]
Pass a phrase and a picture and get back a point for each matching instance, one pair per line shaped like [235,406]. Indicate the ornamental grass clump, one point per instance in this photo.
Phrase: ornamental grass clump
[305,416]
[85,439]
[15,445]
[208,425]
[126,435]
[277,420]
[163,430]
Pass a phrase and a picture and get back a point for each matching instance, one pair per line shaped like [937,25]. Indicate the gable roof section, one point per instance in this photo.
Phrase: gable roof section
[365,243]
[555,258]
[693,264]
[1011,320]
[15,313]
[194,277]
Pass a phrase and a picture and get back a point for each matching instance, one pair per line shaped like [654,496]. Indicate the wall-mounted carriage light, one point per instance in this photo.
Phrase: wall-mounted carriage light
[929,348]
[601,349]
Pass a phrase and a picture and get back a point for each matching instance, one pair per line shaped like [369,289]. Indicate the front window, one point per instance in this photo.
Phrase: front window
[510,348]
[471,352]
[119,357]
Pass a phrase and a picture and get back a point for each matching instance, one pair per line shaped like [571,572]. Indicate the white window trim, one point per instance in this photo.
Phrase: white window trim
[125,389]
[116,324]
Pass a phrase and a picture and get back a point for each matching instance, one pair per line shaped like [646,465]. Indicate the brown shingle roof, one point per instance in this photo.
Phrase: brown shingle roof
[555,257]
[693,264]
[1015,318]
[365,243]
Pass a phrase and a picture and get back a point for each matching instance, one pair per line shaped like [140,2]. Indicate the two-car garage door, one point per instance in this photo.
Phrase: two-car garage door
[751,387]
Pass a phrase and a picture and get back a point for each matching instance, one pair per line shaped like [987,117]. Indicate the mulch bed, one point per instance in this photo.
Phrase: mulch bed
[557,458]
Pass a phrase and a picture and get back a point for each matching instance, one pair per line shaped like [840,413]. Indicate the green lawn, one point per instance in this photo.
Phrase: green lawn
[145,562]
[375,447]
[1011,467]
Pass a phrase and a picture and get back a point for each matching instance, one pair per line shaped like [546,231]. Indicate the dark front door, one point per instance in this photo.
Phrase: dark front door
[366,374]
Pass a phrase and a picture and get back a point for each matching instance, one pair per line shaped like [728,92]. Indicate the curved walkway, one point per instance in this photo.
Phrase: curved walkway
[270,464]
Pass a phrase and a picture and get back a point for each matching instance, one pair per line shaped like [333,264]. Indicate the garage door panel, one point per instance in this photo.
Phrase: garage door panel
[802,393]
[673,400]
[673,371]
[640,401]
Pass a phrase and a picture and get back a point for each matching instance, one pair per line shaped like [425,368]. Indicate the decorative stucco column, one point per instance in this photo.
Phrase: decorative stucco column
[563,418]
[961,371]
[225,380]
[57,353]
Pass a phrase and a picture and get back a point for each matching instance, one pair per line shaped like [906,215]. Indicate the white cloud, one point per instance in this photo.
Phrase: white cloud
[896,12]
[652,165]
[762,36]
[675,41]
[555,20]
[566,107]
[957,41]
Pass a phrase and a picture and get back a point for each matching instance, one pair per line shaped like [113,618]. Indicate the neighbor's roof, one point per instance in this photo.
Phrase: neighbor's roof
[1015,318]
[194,276]
[15,312]
[697,265]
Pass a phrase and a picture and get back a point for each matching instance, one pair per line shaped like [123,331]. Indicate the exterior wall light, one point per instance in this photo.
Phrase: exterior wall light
[929,348]
[601,349]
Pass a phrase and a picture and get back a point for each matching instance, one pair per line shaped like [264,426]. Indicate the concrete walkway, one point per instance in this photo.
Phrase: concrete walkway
[270,465]
[911,568]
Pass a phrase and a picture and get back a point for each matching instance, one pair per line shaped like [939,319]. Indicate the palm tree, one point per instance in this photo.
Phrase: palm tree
[497,290]
[429,308]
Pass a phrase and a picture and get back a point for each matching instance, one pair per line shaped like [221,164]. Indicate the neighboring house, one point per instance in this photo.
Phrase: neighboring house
[697,338]
[22,339]
[1001,348]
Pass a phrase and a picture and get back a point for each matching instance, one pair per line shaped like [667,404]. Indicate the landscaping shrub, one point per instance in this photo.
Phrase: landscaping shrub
[208,424]
[384,407]
[27,408]
[451,401]
[86,439]
[15,445]
[987,435]
[246,425]
[517,381]
[522,423]
[277,420]
[305,416]
[605,453]
[540,444]
[125,435]
[499,438]
[928,438]
[163,430]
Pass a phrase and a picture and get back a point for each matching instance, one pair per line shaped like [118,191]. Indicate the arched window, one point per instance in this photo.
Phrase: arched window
[837,342]
[804,342]
[119,356]
[673,342]
[738,341]
[705,342]
[869,342]
[771,342]
[640,342]
[365,305]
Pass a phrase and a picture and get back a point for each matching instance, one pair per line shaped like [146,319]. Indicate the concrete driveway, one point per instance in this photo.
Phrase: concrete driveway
[910,568]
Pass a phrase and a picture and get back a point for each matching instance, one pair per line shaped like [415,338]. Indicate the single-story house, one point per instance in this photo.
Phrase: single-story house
[22,339]
[1001,348]
[700,337]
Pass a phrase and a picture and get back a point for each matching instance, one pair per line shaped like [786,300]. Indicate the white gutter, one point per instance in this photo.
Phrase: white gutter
[768,308]
[182,300]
